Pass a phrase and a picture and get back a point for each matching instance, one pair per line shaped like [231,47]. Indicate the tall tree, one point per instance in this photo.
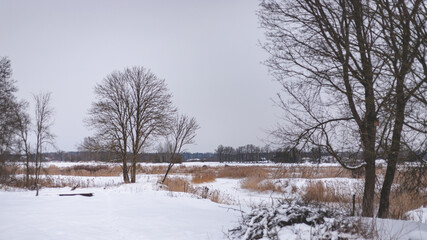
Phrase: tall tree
[404,35]
[132,106]
[110,117]
[150,110]
[334,61]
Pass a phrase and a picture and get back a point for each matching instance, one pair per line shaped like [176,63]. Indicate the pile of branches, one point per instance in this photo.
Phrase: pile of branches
[265,222]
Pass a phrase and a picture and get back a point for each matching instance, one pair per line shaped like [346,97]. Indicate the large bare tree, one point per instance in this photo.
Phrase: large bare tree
[183,132]
[132,106]
[110,118]
[347,68]
[150,110]
[404,35]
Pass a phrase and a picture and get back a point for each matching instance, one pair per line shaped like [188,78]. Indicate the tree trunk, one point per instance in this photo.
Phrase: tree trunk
[369,131]
[125,170]
[369,190]
[383,210]
[27,177]
[167,171]
[133,170]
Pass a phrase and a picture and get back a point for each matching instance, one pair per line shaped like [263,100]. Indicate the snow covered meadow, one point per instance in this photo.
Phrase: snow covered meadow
[199,201]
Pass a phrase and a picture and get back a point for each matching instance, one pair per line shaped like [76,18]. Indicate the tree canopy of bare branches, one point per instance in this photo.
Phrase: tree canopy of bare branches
[43,122]
[8,107]
[182,132]
[132,106]
[353,74]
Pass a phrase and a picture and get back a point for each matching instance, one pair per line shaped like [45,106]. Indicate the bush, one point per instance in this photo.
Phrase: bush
[266,222]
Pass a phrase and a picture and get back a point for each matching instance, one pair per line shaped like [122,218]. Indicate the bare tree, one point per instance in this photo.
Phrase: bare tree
[342,73]
[90,144]
[8,107]
[219,151]
[24,125]
[183,133]
[10,116]
[44,137]
[132,106]
[150,110]
[404,33]
[110,117]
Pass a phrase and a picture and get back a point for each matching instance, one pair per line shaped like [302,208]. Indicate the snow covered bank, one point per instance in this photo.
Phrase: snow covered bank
[418,215]
[117,213]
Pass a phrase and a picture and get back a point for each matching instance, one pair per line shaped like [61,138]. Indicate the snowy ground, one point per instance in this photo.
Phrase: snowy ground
[143,211]
[125,212]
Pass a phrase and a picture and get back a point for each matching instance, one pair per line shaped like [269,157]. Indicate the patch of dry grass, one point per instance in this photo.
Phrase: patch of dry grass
[154,169]
[317,191]
[402,202]
[56,182]
[84,170]
[203,177]
[179,184]
[260,184]
[243,171]
[313,172]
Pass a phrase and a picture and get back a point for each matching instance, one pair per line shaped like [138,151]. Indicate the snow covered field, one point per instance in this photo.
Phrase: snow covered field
[145,211]
[126,212]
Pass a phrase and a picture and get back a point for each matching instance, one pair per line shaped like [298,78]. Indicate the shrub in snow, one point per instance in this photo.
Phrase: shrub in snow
[290,220]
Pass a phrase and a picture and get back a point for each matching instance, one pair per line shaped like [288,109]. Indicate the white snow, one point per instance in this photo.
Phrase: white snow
[418,215]
[143,211]
[125,212]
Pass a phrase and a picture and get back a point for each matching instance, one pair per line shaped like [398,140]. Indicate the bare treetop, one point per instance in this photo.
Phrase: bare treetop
[132,107]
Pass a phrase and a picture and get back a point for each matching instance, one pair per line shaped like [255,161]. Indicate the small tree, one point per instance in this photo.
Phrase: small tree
[12,117]
[9,106]
[183,133]
[24,124]
[43,121]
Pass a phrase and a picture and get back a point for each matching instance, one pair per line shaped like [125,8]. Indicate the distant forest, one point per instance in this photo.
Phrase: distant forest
[248,153]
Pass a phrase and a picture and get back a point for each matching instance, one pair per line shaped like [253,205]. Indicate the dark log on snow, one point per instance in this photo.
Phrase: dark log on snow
[76,194]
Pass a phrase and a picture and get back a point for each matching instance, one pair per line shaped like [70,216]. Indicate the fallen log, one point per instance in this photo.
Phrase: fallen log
[76,194]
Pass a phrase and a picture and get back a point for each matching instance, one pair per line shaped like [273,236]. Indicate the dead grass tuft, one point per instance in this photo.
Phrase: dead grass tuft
[243,171]
[317,191]
[402,202]
[314,172]
[178,184]
[84,170]
[156,169]
[57,182]
[260,184]
[203,177]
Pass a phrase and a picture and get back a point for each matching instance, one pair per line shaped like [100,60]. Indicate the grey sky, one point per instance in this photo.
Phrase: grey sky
[206,50]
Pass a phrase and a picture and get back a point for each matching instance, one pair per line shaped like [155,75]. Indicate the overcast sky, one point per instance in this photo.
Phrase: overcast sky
[207,51]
